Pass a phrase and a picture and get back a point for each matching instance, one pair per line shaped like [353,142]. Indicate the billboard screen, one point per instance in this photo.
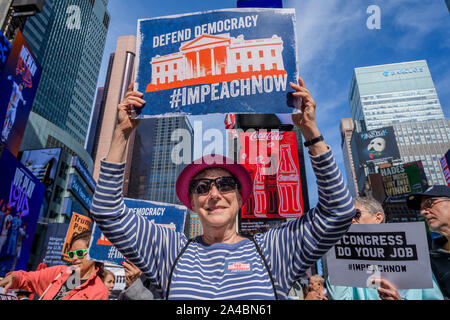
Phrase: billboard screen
[164,214]
[221,61]
[18,85]
[378,144]
[5,48]
[53,246]
[43,163]
[404,179]
[272,160]
[21,195]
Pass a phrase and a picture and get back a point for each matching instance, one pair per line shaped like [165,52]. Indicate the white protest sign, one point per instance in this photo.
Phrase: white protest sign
[397,252]
[7,295]
[119,273]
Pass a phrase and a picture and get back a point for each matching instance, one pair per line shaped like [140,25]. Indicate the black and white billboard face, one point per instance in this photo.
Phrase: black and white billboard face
[377,144]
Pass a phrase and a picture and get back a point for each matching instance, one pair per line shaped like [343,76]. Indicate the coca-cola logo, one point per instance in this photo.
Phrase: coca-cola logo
[266,136]
[291,177]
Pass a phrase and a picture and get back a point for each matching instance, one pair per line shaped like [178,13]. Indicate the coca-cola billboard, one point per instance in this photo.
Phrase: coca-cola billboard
[272,159]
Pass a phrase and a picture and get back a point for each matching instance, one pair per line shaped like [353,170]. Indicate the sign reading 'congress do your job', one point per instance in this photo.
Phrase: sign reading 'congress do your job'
[222,61]
[397,252]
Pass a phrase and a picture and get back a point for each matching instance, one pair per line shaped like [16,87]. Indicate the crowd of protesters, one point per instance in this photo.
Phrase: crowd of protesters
[164,264]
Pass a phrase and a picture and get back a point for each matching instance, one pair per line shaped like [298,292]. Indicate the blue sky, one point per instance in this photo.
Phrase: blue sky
[332,40]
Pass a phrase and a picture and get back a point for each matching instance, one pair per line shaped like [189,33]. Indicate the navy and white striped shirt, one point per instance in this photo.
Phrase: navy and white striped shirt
[225,271]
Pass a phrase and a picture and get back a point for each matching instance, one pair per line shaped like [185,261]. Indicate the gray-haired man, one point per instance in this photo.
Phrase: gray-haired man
[434,205]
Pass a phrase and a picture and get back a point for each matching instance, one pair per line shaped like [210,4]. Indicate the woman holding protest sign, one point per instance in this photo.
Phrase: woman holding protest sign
[221,264]
[80,281]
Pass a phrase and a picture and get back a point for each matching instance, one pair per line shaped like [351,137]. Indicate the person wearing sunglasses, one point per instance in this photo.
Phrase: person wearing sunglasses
[434,205]
[81,280]
[222,264]
[370,211]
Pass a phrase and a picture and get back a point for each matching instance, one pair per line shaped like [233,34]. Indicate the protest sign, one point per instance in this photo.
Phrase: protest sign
[164,214]
[18,85]
[21,195]
[9,295]
[221,61]
[78,224]
[397,252]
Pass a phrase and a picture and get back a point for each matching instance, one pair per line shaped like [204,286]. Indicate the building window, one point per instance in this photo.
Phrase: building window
[273,52]
[238,56]
[249,54]
[261,54]
[174,66]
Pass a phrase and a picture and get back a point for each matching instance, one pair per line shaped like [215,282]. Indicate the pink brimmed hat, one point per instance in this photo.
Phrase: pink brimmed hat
[213,161]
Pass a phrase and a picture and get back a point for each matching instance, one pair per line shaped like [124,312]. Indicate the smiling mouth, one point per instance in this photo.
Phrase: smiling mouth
[216,209]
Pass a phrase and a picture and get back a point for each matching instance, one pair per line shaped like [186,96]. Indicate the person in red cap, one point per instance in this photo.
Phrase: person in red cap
[222,264]
[434,205]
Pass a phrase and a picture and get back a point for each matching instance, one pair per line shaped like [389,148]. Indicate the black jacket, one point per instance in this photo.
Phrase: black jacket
[440,264]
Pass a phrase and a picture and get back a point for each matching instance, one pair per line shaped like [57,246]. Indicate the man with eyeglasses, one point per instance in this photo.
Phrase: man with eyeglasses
[434,205]
[370,211]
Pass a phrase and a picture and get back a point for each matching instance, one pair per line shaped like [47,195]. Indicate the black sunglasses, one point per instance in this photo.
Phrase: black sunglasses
[223,184]
[357,214]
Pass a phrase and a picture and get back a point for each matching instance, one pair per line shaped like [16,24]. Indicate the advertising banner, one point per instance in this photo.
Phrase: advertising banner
[397,252]
[78,224]
[18,85]
[395,180]
[250,227]
[76,162]
[5,49]
[163,214]
[445,167]
[416,176]
[21,195]
[76,186]
[271,157]
[43,163]
[54,240]
[378,144]
[221,61]
[403,179]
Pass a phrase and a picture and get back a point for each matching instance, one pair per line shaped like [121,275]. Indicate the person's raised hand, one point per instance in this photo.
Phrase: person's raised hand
[387,290]
[7,282]
[132,99]
[132,273]
[306,119]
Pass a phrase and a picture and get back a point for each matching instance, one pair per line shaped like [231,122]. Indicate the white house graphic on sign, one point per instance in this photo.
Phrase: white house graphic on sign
[217,58]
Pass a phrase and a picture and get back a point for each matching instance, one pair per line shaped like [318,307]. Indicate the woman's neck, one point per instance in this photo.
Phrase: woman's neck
[229,236]
[84,275]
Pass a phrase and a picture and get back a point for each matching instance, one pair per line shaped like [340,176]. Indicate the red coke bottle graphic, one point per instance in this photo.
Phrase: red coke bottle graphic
[288,184]
[259,189]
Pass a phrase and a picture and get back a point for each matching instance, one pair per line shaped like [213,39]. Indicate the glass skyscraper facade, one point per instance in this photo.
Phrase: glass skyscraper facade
[68,39]
[153,174]
[385,95]
[402,95]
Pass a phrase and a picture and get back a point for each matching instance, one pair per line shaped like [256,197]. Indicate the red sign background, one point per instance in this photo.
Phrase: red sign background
[272,160]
